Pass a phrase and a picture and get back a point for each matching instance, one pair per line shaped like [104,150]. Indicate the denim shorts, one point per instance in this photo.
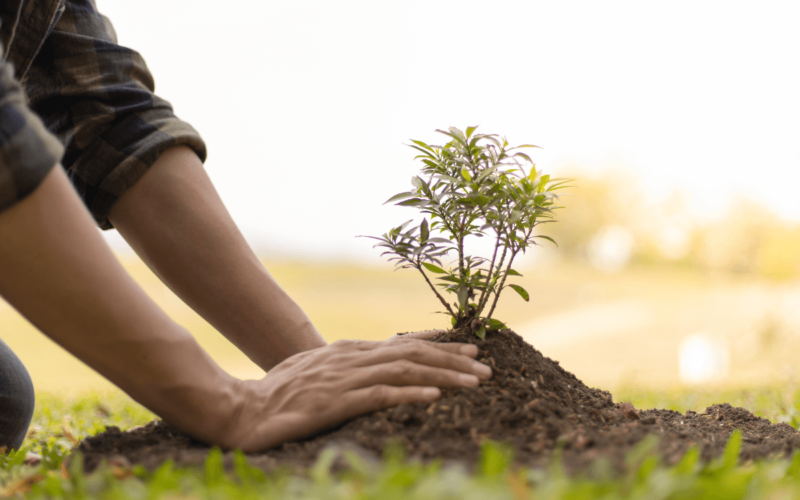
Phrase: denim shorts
[16,399]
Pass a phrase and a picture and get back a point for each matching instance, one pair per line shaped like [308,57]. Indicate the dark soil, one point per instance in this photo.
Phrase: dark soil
[531,403]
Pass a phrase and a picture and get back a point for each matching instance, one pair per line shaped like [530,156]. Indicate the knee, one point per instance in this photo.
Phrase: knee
[17,401]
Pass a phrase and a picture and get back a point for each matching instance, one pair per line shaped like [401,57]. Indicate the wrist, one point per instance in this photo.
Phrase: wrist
[183,385]
[227,430]
[209,413]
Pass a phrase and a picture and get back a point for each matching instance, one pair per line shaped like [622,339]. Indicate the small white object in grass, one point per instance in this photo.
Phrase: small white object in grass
[702,358]
[32,458]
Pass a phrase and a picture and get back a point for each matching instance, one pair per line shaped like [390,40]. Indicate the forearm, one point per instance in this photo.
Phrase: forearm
[56,270]
[174,219]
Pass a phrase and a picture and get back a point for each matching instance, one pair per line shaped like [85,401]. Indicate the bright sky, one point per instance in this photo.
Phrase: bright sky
[305,105]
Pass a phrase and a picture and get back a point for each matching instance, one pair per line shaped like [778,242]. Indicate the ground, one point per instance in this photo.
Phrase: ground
[59,421]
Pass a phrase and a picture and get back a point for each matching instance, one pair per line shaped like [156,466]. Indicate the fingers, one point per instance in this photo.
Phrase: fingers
[460,348]
[423,353]
[423,335]
[453,347]
[378,397]
[403,372]
[367,345]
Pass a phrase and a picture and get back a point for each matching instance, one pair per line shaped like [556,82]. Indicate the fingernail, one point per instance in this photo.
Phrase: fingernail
[431,392]
[469,380]
[469,350]
[481,370]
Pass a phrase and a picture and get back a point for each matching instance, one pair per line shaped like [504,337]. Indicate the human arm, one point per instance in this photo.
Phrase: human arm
[175,221]
[56,270]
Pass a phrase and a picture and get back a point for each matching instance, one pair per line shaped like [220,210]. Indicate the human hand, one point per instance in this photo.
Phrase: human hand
[422,335]
[315,390]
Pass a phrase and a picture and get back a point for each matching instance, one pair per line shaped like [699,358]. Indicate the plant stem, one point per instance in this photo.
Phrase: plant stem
[502,283]
[485,292]
[505,275]
[444,302]
[461,270]
[499,268]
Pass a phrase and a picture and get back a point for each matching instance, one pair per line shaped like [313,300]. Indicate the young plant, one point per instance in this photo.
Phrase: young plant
[472,187]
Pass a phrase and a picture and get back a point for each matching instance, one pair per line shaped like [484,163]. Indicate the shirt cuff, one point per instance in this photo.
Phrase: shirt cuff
[27,150]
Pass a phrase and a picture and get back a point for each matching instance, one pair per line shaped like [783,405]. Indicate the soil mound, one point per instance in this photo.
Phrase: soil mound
[531,403]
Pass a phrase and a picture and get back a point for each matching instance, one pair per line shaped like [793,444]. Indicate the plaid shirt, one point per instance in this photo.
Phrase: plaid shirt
[93,96]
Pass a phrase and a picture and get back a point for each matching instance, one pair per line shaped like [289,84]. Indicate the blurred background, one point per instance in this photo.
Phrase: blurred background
[679,245]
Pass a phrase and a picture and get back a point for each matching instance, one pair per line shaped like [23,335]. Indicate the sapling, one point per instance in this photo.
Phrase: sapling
[474,186]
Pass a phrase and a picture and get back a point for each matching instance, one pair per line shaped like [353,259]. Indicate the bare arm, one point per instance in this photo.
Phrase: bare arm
[56,270]
[176,222]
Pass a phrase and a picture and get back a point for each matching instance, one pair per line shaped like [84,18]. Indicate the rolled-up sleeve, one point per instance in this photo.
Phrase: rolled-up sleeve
[27,150]
[99,99]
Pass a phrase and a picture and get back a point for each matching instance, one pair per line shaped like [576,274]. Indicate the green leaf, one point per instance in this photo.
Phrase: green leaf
[521,291]
[434,269]
[730,457]
[401,196]
[413,202]
[496,458]
[425,153]
[523,155]
[543,182]
[495,324]
[470,130]
[643,449]
[486,173]
[512,272]
[547,238]
[447,178]
[458,134]
[690,459]
[481,332]
[423,231]
[215,473]
[465,174]
[320,472]
[421,144]
[462,297]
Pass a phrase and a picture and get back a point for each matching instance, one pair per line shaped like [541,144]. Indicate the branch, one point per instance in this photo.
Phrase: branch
[444,302]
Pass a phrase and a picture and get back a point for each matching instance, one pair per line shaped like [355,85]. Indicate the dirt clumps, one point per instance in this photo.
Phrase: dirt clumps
[530,402]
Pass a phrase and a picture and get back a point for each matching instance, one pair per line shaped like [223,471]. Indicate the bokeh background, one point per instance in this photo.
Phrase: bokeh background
[679,245]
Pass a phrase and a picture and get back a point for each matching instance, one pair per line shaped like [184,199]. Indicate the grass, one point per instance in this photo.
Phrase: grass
[59,422]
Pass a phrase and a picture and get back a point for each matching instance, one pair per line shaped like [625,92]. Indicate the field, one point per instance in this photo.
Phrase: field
[611,330]
[624,332]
